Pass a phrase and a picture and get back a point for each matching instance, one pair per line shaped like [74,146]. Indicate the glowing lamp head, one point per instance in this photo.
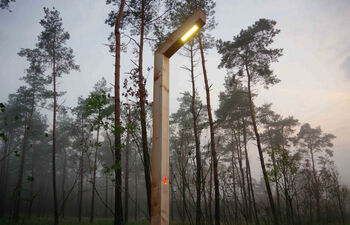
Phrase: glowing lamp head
[189,33]
[180,36]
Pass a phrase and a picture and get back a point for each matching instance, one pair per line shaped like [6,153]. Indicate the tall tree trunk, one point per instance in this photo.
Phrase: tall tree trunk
[92,209]
[206,206]
[261,156]
[54,140]
[81,173]
[118,214]
[249,176]
[31,188]
[240,164]
[126,178]
[234,188]
[64,182]
[18,188]
[136,188]
[142,95]
[171,199]
[196,137]
[183,178]
[106,197]
[212,136]
[275,174]
[316,186]
[210,189]
[4,174]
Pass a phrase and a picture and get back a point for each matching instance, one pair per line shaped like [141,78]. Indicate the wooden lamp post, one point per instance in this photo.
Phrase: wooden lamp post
[160,138]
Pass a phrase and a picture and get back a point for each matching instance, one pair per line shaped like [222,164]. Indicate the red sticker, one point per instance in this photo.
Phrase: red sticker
[164,181]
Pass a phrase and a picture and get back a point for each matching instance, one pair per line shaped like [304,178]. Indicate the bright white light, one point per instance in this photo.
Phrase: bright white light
[189,33]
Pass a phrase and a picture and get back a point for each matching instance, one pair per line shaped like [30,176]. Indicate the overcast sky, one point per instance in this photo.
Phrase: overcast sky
[315,67]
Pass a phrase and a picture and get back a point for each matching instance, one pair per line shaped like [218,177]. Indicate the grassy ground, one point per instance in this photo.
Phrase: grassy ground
[72,221]
[68,221]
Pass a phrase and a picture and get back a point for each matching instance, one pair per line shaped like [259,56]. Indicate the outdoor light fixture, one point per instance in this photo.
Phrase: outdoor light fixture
[160,137]
[190,32]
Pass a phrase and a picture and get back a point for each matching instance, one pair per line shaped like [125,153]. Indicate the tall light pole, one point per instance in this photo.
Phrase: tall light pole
[160,138]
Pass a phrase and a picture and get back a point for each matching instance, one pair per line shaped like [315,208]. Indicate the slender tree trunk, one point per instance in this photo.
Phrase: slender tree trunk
[171,199]
[183,173]
[261,156]
[31,197]
[275,175]
[286,202]
[297,206]
[81,173]
[234,188]
[316,185]
[106,197]
[212,136]
[340,205]
[196,137]
[92,209]
[210,189]
[126,178]
[64,181]
[249,176]
[54,140]
[206,207]
[18,188]
[290,201]
[118,214]
[240,163]
[136,188]
[142,95]
[4,174]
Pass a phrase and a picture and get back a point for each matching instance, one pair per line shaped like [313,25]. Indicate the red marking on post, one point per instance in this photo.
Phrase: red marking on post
[164,181]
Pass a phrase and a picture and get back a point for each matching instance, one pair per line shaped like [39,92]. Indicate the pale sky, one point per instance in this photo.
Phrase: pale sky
[314,70]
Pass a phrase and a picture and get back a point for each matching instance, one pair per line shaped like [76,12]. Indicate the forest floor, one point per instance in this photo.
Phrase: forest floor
[74,221]
[71,221]
[67,221]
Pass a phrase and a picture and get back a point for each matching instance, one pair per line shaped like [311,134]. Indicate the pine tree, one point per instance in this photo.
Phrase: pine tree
[54,53]
[115,20]
[31,96]
[312,141]
[140,14]
[250,56]
[96,105]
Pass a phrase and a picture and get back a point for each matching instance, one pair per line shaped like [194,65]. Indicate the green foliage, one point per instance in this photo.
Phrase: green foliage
[183,117]
[313,139]
[250,54]
[17,154]
[234,103]
[178,12]
[3,136]
[2,106]
[30,178]
[4,4]
[278,131]
[35,77]
[52,41]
